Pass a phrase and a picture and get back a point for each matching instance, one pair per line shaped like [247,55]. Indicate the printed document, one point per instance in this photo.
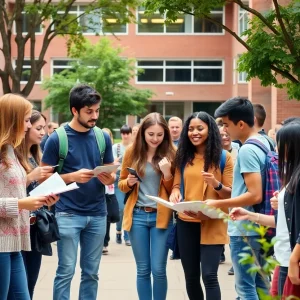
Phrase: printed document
[105,169]
[53,185]
[193,206]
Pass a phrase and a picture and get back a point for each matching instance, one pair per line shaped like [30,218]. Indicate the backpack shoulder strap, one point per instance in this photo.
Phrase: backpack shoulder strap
[259,145]
[223,161]
[63,147]
[100,142]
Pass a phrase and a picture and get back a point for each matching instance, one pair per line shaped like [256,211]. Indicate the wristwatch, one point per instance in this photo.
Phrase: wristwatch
[219,187]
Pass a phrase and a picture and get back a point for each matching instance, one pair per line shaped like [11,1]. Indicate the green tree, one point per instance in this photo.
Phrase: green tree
[21,24]
[272,40]
[102,67]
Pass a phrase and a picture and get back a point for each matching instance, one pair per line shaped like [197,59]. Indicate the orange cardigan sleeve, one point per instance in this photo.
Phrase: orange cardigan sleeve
[177,179]
[126,163]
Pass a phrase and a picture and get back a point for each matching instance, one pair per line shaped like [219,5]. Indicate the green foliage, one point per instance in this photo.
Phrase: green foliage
[272,40]
[57,19]
[102,67]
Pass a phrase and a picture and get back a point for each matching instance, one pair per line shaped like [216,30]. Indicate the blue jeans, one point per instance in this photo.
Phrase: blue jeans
[246,284]
[89,232]
[120,197]
[150,253]
[13,281]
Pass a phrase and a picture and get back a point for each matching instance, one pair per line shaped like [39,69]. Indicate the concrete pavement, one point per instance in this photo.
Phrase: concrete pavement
[118,276]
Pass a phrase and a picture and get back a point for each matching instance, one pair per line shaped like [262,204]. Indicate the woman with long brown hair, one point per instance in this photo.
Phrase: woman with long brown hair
[15,112]
[30,149]
[151,156]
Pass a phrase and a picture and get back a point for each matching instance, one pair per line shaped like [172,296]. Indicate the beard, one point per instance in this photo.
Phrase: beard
[86,125]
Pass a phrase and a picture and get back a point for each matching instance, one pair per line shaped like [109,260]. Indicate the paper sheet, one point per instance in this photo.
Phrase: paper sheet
[53,185]
[105,169]
[193,206]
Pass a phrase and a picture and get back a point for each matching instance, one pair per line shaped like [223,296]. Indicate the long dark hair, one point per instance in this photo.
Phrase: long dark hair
[213,145]
[140,147]
[35,149]
[288,141]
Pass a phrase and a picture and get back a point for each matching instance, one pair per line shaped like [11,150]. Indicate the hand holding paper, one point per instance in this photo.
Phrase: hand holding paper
[191,206]
[105,169]
[53,185]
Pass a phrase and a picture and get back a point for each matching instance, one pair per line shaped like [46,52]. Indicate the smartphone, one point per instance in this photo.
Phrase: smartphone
[134,173]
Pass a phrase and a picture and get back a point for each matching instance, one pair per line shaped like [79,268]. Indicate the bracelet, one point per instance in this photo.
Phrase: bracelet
[257,220]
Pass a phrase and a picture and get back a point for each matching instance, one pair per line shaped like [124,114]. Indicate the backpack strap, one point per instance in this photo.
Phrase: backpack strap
[259,145]
[100,142]
[223,161]
[63,147]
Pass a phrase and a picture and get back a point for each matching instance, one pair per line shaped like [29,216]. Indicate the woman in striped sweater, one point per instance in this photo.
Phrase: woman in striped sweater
[15,112]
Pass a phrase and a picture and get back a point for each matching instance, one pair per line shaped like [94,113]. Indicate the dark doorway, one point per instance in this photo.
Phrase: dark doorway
[209,107]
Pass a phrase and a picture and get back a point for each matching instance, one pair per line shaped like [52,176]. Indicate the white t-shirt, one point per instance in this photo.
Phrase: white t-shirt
[282,247]
[109,189]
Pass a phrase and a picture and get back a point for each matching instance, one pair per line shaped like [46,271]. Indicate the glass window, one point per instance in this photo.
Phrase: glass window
[185,23]
[243,20]
[26,71]
[148,75]
[174,109]
[60,65]
[178,75]
[96,21]
[208,75]
[37,104]
[153,23]
[181,71]
[152,107]
[26,24]
[205,26]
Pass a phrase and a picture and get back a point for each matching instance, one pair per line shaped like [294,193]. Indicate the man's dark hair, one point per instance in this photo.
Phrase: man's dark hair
[126,129]
[83,95]
[291,119]
[237,109]
[260,114]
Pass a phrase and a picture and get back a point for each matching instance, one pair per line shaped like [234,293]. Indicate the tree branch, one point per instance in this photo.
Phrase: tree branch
[256,13]
[286,36]
[285,74]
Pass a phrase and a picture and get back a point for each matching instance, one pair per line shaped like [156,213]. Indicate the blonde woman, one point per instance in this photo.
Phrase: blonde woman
[15,113]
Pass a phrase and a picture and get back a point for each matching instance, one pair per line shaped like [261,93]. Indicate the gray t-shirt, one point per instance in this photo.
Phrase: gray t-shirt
[149,186]
[251,159]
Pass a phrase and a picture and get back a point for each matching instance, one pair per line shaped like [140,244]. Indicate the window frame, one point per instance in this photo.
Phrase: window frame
[182,33]
[78,12]
[59,67]
[242,13]
[192,67]
[25,82]
[41,32]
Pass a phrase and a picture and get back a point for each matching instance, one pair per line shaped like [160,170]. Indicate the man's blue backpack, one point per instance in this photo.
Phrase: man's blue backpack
[271,184]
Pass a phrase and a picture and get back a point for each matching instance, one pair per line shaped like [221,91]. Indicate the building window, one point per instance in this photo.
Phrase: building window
[242,77]
[37,105]
[97,21]
[172,71]
[185,23]
[26,70]
[26,24]
[243,20]
[166,109]
[59,65]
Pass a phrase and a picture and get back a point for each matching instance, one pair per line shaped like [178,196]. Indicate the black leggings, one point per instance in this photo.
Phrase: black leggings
[192,255]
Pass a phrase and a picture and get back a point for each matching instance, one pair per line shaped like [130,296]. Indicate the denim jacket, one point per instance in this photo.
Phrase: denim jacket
[292,215]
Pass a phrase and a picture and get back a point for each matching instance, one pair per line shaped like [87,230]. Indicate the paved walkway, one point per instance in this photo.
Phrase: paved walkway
[118,275]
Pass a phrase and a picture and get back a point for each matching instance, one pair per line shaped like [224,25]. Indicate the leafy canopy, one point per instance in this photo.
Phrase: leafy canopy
[272,40]
[102,67]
